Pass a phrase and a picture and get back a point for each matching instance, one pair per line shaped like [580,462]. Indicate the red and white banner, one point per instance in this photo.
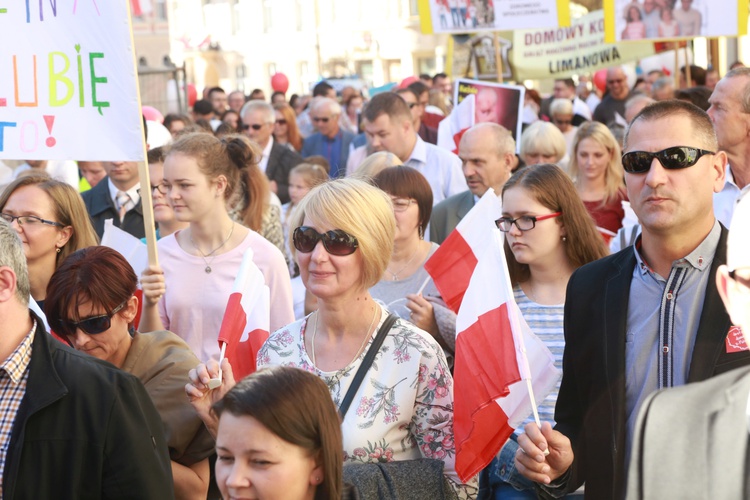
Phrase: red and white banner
[247,319]
[455,124]
[491,395]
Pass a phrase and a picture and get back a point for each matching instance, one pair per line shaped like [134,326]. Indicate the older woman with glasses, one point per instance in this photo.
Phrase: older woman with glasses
[406,289]
[403,407]
[91,304]
[51,220]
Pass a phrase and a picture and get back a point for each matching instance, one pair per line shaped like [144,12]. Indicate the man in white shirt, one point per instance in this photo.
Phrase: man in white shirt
[388,127]
[730,114]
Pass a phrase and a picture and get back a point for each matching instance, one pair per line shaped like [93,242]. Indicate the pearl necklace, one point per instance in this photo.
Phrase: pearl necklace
[212,252]
[368,334]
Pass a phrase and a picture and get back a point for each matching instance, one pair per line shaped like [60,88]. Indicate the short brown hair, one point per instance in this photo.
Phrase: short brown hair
[552,187]
[407,182]
[699,119]
[96,275]
[296,406]
[387,103]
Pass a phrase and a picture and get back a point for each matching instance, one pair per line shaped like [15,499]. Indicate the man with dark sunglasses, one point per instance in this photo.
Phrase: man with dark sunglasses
[646,318]
[330,141]
[257,122]
[71,426]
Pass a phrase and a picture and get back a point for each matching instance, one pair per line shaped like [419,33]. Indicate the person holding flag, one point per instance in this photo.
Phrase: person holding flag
[548,234]
[402,407]
[188,294]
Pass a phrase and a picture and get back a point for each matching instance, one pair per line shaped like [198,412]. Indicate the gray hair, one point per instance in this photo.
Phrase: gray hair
[502,139]
[561,107]
[262,106]
[660,83]
[327,103]
[745,97]
[11,255]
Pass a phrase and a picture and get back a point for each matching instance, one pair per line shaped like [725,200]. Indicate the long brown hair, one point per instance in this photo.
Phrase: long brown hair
[297,407]
[68,207]
[551,187]
[292,134]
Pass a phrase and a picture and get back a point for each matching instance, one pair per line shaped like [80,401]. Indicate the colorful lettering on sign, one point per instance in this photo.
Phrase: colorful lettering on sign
[2,132]
[28,136]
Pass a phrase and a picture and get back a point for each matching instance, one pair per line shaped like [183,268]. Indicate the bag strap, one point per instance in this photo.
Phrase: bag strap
[366,364]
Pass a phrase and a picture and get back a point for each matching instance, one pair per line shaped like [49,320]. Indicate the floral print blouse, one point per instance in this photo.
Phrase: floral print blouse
[403,409]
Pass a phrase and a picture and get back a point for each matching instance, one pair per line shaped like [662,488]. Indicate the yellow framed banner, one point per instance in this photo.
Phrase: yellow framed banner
[464,16]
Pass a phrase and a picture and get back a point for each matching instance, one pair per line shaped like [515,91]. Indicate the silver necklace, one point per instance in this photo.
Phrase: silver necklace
[395,276]
[212,252]
[368,334]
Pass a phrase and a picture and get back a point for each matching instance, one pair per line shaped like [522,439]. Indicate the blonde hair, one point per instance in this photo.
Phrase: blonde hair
[614,176]
[359,209]
[543,138]
[561,107]
[374,164]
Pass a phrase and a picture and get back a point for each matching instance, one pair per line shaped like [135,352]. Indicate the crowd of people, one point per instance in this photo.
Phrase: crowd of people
[614,216]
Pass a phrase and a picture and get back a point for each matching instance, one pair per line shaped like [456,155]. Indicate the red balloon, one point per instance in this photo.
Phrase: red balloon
[600,79]
[152,114]
[192,94]
[279,82]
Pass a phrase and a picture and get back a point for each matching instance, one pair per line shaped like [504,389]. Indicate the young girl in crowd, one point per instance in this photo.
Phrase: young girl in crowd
[634,29]
[188,293]
[164,216]
[596,169]
[284,418]
[548,235]
[668,26]
[302,179]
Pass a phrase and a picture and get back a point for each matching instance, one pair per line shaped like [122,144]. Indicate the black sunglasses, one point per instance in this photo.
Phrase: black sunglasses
[254,126]
[336,242]
[674,158]
[93,325]
[280,122]
[324,120]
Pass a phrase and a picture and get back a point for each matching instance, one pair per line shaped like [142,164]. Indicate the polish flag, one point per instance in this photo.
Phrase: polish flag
[452,128]
[492,393]
[247,319]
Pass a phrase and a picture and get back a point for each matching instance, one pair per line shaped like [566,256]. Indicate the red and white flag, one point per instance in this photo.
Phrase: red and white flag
[455,124]
[491,392]
[247,319]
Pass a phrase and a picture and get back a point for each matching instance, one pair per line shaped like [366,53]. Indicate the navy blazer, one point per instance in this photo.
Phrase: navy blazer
[316,145]
[101,207]
[590,407]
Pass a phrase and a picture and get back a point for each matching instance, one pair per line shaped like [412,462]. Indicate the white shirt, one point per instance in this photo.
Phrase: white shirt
[132,192]
[441,168]
[726,199]
[581,108]
[263,163]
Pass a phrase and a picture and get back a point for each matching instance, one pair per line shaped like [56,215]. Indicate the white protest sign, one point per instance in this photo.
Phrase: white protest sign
[68,84]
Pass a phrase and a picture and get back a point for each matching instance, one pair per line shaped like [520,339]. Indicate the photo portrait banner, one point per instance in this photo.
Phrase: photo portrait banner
[68,82]
[673,19]
[464,16]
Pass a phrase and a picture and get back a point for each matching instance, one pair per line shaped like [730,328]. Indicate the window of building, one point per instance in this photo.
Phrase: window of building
[267,16]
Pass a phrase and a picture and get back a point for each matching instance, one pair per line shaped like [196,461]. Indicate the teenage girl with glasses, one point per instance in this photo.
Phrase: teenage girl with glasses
[548,235]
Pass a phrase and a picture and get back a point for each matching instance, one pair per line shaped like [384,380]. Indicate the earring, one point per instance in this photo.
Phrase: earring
[58,250]
[564,238]
[421,233]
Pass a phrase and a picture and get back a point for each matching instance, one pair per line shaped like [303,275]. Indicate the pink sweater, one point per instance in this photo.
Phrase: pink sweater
[194,302]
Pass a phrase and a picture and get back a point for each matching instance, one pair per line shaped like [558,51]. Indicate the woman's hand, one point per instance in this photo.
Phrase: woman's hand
[422,314]
[153,285]
[201,397]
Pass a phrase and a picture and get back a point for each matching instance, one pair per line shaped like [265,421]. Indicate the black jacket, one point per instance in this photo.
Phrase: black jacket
[84,430]
[281,160]
[100,207]
[590,407]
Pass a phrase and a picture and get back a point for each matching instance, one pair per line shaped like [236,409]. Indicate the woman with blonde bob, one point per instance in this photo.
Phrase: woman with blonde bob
[597,172]
[403,408]
[542,142]
[51,220]
[286,416]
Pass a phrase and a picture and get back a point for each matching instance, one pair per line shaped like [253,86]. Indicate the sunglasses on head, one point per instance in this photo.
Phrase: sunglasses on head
[336,242]
[674,158]
[254,126]
[93,325]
